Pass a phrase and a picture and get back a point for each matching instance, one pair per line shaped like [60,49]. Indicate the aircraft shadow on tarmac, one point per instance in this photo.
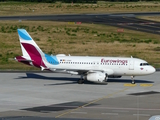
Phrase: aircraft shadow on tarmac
[128,81]
[74,80]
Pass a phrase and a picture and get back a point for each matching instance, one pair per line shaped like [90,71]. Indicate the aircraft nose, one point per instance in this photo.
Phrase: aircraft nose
[152,70]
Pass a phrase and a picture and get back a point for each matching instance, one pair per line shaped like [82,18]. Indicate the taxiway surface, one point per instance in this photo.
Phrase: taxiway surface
[120,20]
[26,96]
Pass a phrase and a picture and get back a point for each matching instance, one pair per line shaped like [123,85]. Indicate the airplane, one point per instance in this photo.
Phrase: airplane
[94,69]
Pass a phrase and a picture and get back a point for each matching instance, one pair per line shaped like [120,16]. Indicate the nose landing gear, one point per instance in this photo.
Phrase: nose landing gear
[133,81]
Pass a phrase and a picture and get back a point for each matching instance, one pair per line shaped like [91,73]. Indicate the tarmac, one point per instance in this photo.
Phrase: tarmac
[46,96]
[119,20]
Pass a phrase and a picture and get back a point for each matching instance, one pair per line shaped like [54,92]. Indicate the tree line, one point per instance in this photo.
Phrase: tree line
[75,1]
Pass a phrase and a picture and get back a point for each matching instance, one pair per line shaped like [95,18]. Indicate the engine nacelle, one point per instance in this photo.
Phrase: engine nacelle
[96,77]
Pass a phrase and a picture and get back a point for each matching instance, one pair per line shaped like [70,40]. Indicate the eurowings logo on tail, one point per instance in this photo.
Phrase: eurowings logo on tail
[32,54]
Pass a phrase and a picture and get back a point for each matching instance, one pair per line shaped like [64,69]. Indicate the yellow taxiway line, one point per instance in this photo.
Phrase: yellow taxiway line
[130,85]
[133,85]
[146,85]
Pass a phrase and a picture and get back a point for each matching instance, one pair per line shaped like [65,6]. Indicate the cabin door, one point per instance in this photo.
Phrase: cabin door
[131,65]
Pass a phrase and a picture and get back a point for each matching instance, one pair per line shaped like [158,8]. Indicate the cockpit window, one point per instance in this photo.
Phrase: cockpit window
[144,64]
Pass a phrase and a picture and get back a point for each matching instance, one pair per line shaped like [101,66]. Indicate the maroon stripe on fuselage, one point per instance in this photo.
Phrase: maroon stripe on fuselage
[34,54]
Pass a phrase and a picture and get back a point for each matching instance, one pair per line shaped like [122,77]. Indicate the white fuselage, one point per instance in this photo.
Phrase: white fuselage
[117,66]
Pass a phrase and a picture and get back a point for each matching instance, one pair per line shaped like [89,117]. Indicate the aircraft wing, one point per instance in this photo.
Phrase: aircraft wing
[84,72]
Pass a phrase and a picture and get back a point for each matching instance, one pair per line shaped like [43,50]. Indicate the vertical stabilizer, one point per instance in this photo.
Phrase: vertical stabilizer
[27,44]
[30,49]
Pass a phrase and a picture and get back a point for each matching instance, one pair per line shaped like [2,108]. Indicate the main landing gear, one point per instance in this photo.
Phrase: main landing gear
[81,80]
[132,78]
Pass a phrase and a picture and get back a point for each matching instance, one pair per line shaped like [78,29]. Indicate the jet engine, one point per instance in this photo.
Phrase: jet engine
[96,77]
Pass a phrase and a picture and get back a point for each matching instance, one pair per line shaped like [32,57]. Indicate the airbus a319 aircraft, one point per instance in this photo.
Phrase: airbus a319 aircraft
[94,69]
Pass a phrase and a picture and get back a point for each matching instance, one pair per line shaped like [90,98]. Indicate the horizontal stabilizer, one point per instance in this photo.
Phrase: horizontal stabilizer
[22,59]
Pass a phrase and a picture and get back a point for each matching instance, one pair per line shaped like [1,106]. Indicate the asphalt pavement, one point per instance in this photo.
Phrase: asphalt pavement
[120,20]
[27,96]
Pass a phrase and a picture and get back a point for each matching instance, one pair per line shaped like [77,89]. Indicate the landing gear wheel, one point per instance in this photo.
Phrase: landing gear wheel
[105,80]
[81,81]
[133,82]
